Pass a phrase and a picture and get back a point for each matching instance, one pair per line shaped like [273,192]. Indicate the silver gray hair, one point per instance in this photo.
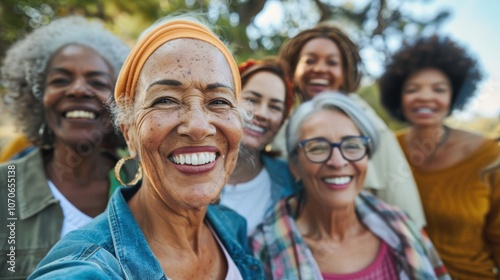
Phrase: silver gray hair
[329,100]
[24,70]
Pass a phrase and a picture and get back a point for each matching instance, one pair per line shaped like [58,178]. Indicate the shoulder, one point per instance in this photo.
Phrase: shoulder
[276,217]
[275,163]
[33,157]
[224,213]
[370,203]
[87,252]
[227,220]
[470,143]
[96,234]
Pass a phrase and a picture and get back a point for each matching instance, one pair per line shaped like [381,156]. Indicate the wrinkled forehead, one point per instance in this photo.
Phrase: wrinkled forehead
[192,55]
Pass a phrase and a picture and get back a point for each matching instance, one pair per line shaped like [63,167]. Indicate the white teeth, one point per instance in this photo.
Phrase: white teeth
[254,127]
[338,180]
[424,110]
[194,159]
[80,114]
[321,82]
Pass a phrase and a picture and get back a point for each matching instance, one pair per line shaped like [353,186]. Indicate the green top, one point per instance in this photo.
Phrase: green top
[33,214]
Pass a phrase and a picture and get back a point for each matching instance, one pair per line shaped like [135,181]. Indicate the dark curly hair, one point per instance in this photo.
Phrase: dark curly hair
[429,52]
[273,65]
[351,60]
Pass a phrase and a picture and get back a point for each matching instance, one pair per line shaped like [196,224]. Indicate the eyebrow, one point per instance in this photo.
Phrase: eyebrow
[433,84]
[167,82]
[175,83]
[330,54]
[260,96]
[220,85]
[68,72]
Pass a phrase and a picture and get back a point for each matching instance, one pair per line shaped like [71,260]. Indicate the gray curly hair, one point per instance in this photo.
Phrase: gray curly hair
[23,72]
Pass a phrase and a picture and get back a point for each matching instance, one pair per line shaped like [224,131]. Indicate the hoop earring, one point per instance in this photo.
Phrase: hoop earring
[44,134]
[118,167]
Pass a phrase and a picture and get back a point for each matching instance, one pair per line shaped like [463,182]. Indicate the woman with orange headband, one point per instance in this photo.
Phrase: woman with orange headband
[176,99]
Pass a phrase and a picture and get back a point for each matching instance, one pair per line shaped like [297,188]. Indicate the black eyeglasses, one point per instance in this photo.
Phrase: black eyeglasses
[319,150]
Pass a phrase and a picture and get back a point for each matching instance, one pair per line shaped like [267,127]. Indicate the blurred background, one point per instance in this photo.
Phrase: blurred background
[258,28]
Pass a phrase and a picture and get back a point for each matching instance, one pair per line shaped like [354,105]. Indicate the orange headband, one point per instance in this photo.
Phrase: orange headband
[167,31]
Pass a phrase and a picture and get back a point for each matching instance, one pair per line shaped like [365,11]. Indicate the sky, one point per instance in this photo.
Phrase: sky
[475,24]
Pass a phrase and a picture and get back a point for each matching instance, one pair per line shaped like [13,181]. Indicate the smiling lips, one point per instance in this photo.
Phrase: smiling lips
[424,111]
[80,114]
[254,128]
[193,159]
[318,82]
[338,183]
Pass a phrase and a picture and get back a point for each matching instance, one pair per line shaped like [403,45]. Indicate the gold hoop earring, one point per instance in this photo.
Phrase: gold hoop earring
[118,167]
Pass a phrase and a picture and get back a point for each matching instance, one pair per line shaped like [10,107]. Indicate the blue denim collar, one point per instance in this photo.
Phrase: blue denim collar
[130,245]
[136,258]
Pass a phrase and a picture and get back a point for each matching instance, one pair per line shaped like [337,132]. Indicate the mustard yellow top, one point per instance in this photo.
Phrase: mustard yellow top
[462,209]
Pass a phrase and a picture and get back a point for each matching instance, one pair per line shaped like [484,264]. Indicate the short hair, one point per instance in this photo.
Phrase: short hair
[429,52]
[329,100]
[349,52]
[273,65]
[24,68]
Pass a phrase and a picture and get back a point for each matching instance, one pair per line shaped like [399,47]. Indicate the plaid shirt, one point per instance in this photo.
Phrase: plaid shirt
[278,243]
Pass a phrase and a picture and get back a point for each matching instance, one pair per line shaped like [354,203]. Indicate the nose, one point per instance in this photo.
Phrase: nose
[336,159]
[260,111]
[80,88]
[320,66]
[196,124]
[426,94]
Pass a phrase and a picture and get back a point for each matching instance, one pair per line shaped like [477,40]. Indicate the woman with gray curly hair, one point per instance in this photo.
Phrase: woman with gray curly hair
[57,81]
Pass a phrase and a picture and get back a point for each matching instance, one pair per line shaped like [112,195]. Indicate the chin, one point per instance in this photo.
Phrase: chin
[201,197]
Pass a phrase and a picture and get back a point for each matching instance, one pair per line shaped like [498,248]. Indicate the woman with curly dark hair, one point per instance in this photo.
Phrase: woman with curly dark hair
[423,83]
[324,58]
[57,81]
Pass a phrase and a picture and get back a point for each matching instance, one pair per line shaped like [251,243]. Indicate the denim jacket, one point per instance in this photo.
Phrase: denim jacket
[114,247]
[282,181]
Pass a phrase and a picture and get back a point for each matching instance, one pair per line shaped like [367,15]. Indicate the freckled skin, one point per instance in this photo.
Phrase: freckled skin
[194,110]
[189,117]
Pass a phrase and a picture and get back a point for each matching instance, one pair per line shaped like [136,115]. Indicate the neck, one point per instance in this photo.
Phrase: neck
[424,142]
[248,166]
[165,225]
[426,133]
[322,223]
[67,165]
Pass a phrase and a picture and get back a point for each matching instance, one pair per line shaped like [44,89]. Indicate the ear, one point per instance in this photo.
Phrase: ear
[129,135]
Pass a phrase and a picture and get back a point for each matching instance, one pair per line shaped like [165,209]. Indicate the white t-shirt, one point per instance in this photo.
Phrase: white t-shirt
[250,199]
[73,217]
[233,273]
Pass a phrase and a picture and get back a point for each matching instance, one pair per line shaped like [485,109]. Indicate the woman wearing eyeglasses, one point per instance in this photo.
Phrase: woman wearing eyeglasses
[333,229]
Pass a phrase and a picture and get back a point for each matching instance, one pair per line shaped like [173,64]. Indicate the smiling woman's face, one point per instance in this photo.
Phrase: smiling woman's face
[336,182]
[263,96]
[77,85]
[186,127]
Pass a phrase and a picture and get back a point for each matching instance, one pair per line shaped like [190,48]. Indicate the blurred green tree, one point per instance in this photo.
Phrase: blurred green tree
[377,26]
[374,24]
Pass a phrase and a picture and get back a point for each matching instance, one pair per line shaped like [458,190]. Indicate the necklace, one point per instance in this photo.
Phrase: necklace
[442,140]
